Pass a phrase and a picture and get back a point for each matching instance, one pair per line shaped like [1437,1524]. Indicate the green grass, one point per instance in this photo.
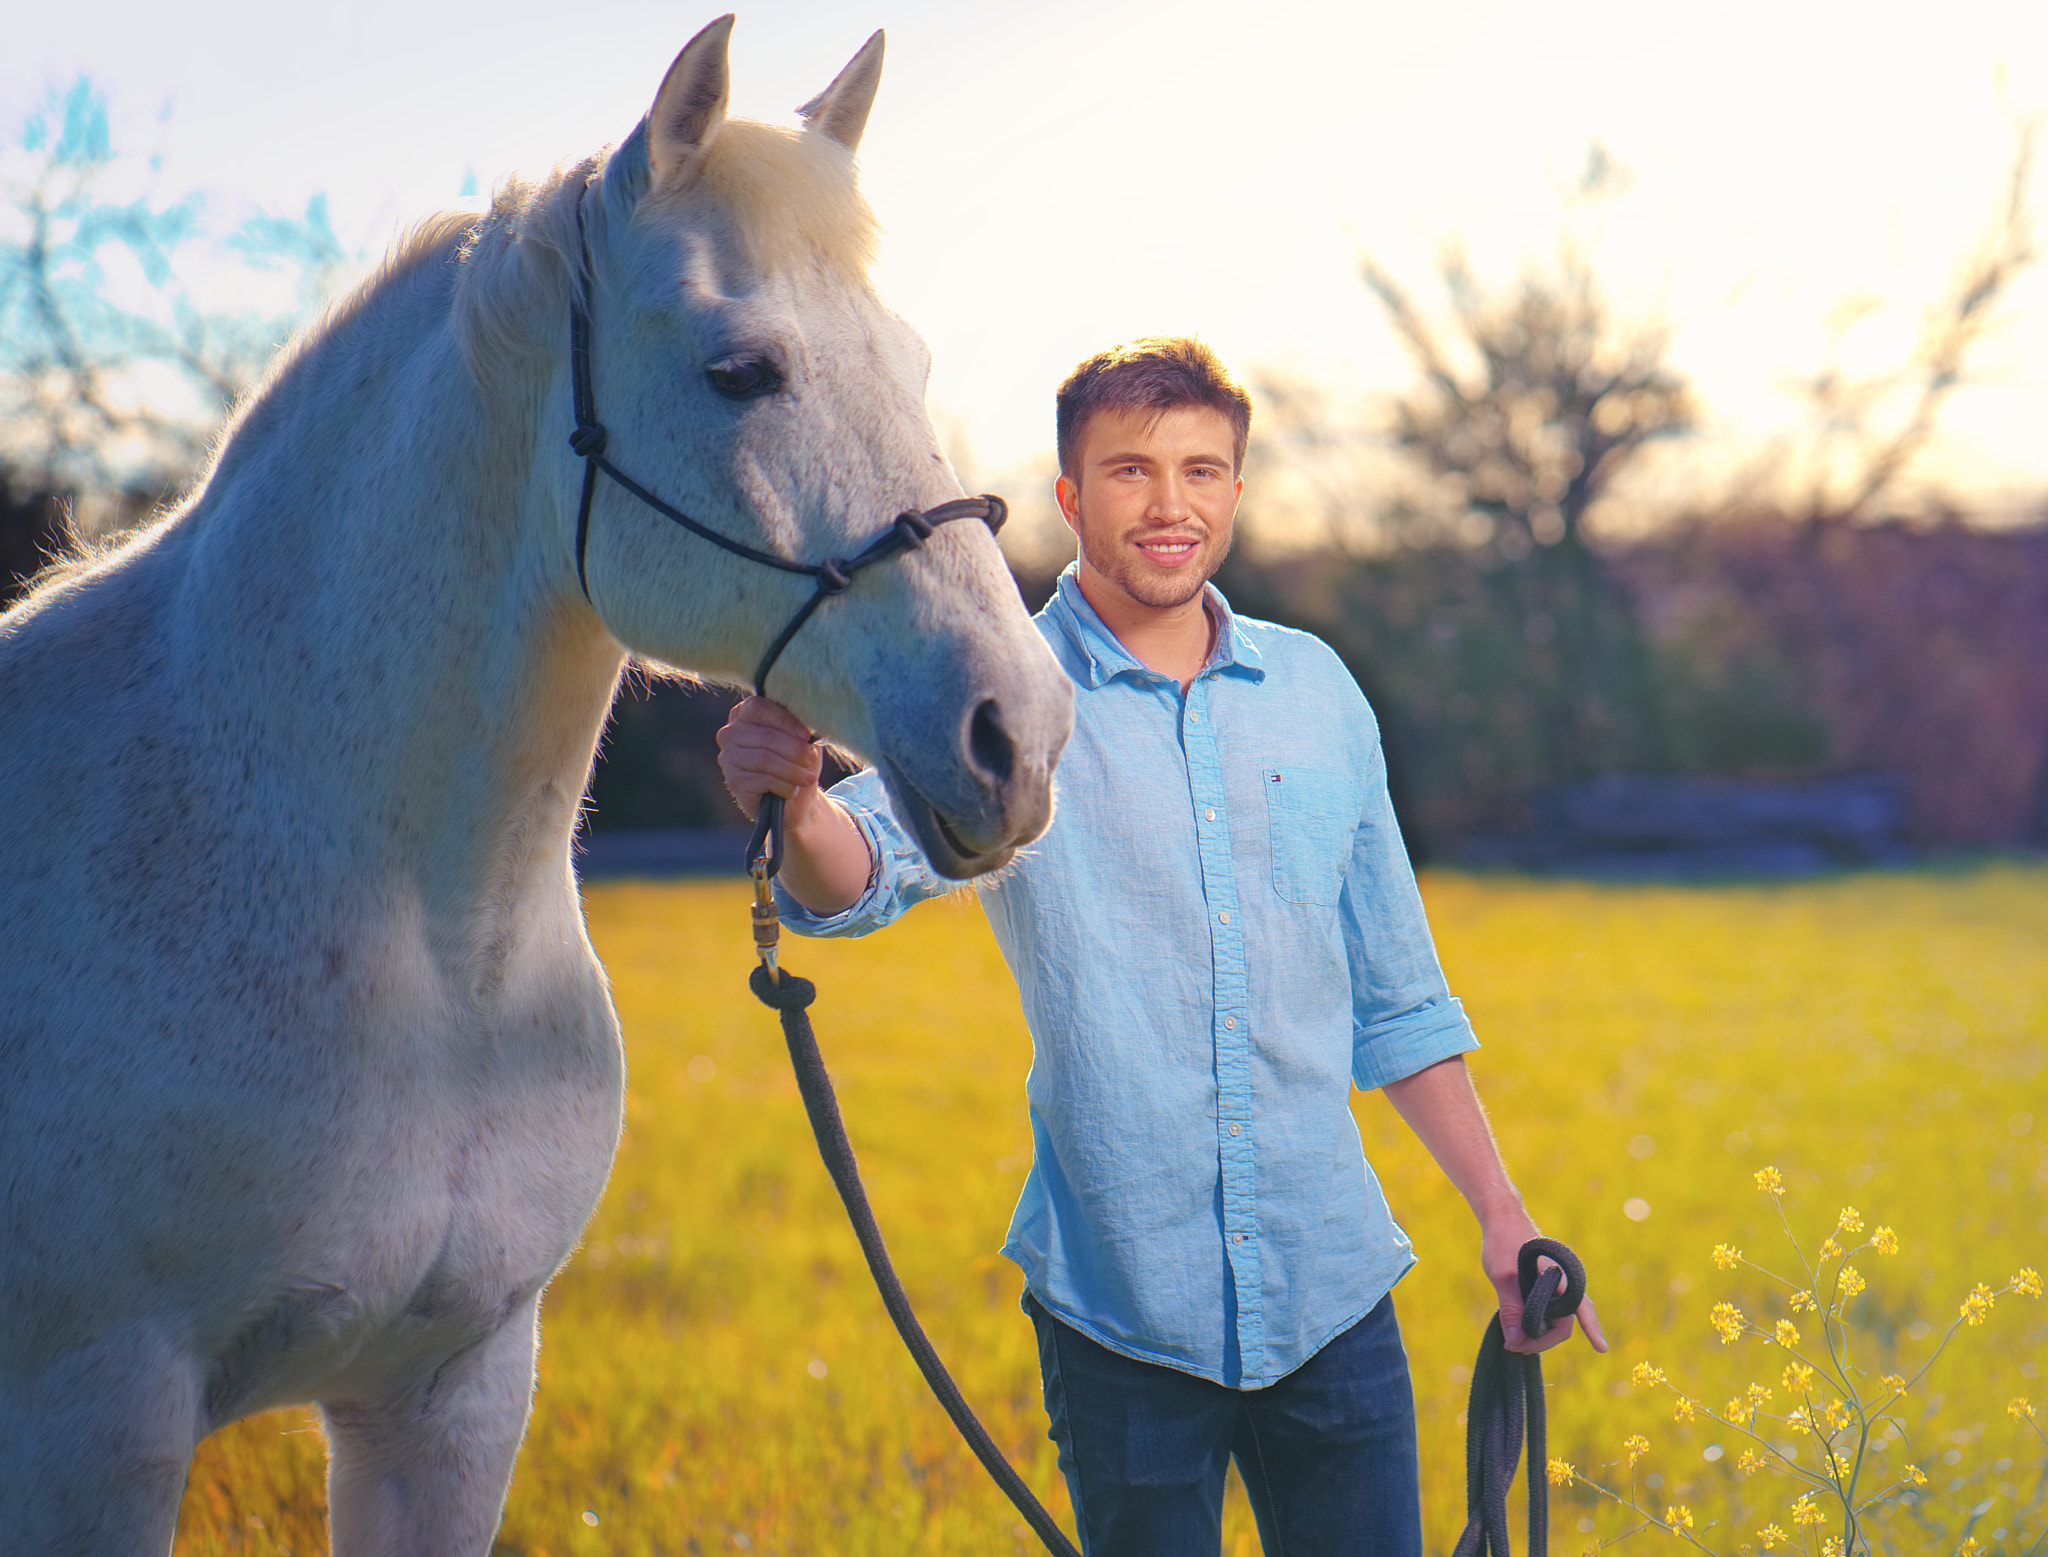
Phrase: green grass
[1880,1038]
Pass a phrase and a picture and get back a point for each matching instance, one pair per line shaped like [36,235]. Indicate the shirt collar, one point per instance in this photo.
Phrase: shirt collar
[1095,657]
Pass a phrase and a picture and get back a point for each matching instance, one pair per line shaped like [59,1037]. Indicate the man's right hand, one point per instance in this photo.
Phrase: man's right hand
[764,749]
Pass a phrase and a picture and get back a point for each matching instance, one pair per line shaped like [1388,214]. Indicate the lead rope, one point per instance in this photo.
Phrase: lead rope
[1507,1387]
[788,997]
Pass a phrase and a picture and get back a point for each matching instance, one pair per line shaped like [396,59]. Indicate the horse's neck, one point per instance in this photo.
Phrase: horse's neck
[382,596]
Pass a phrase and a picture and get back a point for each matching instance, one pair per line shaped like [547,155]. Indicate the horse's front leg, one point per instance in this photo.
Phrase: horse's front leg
[93,1451]
[422,1470]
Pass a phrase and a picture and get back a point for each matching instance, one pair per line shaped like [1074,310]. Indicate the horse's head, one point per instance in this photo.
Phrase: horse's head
[747,373]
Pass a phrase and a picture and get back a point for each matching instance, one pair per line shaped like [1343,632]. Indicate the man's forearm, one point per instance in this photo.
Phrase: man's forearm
[827,863]
[1441,1106]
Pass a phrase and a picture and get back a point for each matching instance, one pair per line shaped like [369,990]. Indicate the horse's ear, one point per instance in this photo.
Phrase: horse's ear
[841,110]
[690,106]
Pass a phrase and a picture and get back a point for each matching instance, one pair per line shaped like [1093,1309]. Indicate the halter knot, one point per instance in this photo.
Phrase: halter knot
[914,528]
[589,439]
[834,574]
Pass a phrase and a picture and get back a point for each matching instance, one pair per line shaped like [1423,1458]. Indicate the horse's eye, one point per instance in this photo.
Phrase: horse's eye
[744,378]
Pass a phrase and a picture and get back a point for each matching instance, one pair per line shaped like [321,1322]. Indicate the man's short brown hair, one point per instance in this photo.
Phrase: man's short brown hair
[1161,373]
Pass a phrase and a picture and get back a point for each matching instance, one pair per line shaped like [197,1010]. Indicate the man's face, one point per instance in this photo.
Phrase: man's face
[1152,498]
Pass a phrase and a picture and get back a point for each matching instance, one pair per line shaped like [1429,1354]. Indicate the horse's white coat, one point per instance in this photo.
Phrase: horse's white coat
[308,1075]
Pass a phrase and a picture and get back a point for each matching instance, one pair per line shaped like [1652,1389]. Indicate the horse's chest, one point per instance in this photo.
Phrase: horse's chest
[446,1204]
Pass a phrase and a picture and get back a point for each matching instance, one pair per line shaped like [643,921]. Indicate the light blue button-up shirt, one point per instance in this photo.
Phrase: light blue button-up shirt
[1217,936]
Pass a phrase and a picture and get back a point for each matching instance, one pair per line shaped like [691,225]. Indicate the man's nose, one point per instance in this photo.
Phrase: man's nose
[1170,502]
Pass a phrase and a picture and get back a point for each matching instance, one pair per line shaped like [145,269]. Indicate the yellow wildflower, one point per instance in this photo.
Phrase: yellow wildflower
[1828,1250]
[1970,1547]
[1978,1304]
[1808,1512]
[1727,1319]
[1894,1382]
[2028,1282]
[1914,1474]
[1836,1414]
[1850,1221]
[1726,1257]
[1561,1471]
[1739,1411]
[1635,1446]
[1682,1408]
[1678,1516]
[1786,1334]
[1798,1300]
[1770,1181]
[1797,1377]
[1831,1547]
[2020,1409]
[1771,1536]
[1885,1241]
[1851,1281]
[1750,1463]
[1799,1419]
[1645,1374]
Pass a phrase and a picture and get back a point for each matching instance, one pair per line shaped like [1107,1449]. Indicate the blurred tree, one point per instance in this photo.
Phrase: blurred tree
[113,376]
[1534,399]
[1511,647]
[1866,432]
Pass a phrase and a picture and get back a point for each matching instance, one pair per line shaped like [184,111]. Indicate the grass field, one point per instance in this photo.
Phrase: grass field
[717,1375]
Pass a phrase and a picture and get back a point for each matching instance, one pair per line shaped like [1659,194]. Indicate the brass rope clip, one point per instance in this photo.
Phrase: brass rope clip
[767,922]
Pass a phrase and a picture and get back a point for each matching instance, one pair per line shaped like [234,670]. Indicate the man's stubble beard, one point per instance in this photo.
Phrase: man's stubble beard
[1150,589]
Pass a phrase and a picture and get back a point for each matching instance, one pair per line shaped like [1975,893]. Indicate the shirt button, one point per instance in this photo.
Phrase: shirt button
[1230,1021]
[1209,815]
[1224,917]
[1234,1129]
[1237,1237]
[1193,717]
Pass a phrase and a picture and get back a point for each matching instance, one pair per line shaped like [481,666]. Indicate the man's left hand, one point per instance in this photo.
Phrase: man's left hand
[1500,1248]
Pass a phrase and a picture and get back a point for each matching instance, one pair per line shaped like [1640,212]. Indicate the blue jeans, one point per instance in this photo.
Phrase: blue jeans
[1327,1454]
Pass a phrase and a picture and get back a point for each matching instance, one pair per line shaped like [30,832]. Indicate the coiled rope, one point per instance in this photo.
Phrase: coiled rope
[1507,1390]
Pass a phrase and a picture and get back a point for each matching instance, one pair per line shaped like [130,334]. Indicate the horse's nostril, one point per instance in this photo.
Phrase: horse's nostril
[989,744]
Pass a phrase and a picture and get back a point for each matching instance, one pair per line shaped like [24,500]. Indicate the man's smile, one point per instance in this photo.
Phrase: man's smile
[1169,548]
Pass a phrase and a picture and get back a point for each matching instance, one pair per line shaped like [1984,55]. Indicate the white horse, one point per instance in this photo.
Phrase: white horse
[308,1075]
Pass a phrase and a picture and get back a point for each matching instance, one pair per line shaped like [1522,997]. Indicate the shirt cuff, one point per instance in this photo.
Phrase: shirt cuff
[1413,1041]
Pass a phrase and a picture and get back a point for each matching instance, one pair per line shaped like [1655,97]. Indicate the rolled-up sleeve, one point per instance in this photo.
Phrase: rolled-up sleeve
[1403,1015]
[898,875]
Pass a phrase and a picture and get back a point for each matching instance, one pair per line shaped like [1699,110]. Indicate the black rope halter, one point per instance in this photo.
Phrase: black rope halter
[909,530]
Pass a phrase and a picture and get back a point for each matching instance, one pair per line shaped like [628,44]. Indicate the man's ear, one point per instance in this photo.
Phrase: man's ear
[841,110]
[690,106]
[1068,495]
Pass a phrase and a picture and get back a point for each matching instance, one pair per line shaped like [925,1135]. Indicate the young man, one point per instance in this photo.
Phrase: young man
[1217,937]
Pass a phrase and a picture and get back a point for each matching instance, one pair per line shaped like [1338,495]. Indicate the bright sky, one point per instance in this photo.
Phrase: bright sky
[1059,176]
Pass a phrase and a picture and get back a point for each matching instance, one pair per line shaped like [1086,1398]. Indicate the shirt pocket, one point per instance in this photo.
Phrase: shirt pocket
[1313,816]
